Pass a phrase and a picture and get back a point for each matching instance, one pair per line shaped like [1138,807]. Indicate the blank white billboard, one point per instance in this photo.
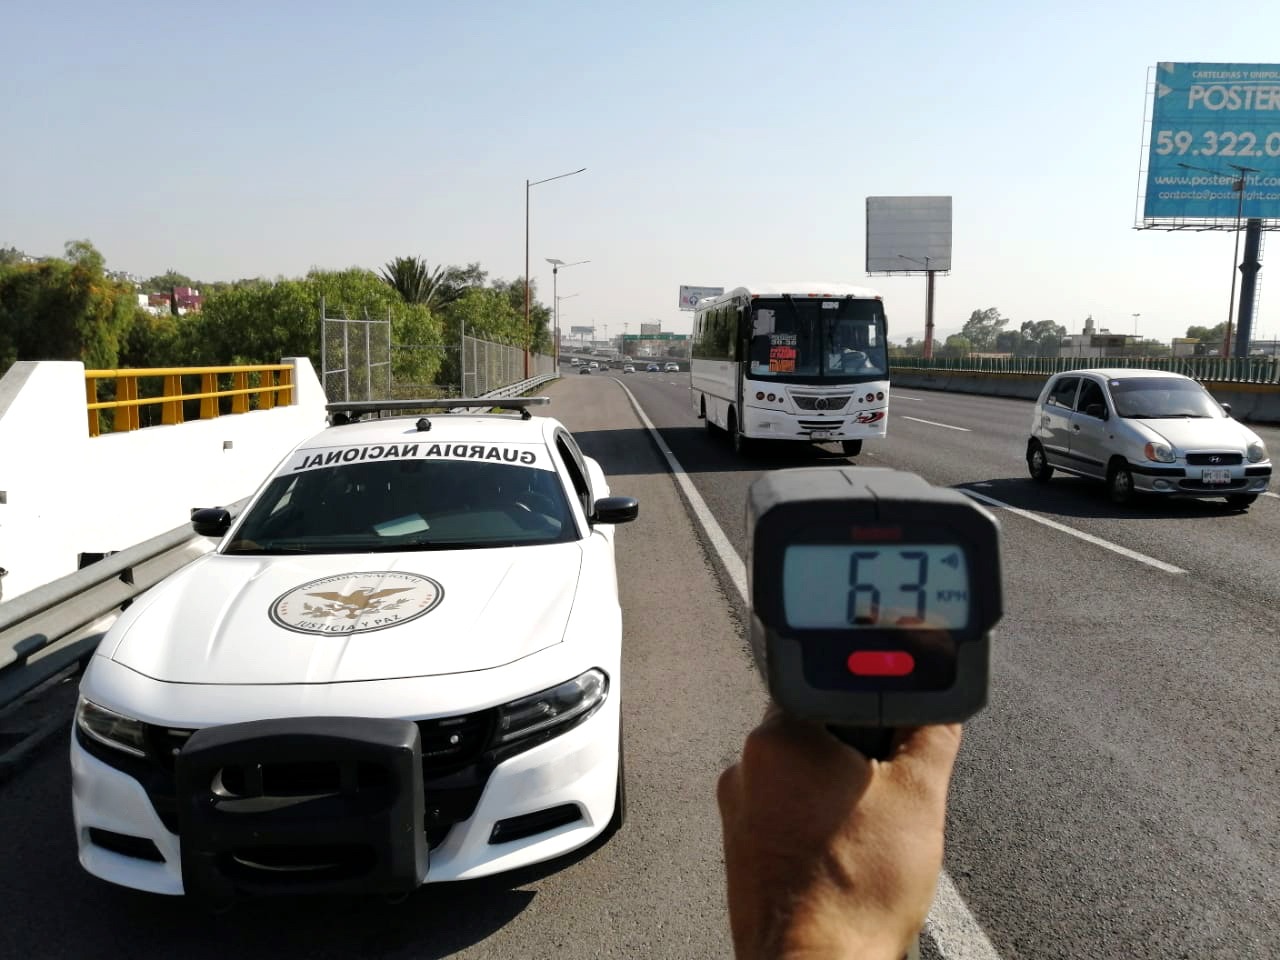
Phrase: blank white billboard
[908,234]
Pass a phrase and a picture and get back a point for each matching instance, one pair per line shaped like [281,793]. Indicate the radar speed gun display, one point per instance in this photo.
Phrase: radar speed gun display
[873,595]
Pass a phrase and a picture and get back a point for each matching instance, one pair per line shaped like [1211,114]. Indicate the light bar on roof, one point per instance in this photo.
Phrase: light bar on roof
[436,403]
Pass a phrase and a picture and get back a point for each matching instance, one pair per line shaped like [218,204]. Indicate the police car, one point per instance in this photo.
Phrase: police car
[400,665]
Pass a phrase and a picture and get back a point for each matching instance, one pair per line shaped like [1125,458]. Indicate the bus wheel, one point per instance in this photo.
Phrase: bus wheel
[743,446]
[851,448]
[706,420]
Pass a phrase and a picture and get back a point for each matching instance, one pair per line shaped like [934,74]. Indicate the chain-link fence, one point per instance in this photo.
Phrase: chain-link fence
[489,366]
[359,361]
[355,357]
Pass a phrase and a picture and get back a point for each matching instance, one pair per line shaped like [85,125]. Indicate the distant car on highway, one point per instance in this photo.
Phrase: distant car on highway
[1145,431]
[595,365]
[574,361]
[672,368]
[653,368]
[585,369]
[628,368]
[400,665]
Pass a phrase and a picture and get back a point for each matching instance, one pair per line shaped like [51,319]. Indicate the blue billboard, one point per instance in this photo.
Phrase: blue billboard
[1209,120]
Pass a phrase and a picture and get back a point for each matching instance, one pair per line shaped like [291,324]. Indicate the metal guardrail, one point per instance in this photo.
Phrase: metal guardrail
[1265,370]
[41,632]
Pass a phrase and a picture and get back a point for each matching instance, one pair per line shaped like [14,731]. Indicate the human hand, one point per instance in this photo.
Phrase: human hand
[827,853]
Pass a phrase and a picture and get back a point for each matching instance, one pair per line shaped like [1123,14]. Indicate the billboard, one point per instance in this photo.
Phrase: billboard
[908,234]
[651,328]
[582,331]
[689,296]
[1211,125]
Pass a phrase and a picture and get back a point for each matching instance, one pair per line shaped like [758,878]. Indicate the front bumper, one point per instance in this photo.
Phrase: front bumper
[855,423]
[1180,480]
[490,814]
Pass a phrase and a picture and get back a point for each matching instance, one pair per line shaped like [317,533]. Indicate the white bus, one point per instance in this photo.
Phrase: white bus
[803,362]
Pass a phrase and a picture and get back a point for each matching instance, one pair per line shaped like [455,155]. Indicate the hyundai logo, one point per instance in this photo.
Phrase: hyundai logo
[1215,459]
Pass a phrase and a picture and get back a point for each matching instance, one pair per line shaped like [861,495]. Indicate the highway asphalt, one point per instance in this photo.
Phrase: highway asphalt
[1118,798]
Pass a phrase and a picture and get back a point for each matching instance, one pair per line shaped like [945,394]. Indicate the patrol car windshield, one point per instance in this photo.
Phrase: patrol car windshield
[393,505]
[823,339]
[1158,398]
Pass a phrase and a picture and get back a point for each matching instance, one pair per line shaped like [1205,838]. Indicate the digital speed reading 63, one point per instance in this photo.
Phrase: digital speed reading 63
[877,586]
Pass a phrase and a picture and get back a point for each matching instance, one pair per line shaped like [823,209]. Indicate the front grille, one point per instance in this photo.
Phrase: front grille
[452,742]
[832,403]
[809,425]
[1214,459]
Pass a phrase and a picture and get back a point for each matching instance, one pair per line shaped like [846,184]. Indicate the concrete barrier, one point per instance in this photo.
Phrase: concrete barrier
[64,494]
[1251,402]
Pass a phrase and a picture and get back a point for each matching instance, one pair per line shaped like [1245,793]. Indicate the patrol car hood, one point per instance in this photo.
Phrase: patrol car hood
[1202,433]
[326,619]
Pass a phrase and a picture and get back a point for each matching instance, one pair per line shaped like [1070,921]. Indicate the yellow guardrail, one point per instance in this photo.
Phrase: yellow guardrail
[274,388]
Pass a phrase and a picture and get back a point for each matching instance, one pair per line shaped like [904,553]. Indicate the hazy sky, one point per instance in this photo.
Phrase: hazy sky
[725,144]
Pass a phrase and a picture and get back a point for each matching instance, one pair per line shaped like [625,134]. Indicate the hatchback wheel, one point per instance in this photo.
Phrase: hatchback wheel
[1120,483]
[1038,463]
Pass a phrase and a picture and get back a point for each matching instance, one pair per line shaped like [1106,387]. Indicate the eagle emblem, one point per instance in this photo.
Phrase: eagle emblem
[356,602]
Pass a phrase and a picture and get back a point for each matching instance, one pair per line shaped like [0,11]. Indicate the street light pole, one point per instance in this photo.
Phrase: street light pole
[555,271]
[527,185]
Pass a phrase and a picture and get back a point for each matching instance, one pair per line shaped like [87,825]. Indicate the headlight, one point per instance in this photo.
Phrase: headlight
[1256,451]
[566,704]
[110,728]
[1159,452]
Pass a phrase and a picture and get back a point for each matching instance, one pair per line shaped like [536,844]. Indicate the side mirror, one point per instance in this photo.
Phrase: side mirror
[616,510]
[211,521]
[1098,410]
[1226,408]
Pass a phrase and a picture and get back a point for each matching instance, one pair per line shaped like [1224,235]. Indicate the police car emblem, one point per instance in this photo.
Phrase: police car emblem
[356,602]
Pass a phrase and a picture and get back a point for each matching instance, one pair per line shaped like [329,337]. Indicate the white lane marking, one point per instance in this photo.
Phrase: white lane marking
[1268,493]
[935,423]
[951,924]
[903,396]
[1073,532]
[733,564]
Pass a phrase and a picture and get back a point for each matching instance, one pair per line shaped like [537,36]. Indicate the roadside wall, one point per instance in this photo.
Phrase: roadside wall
[64,493]
[1254,402]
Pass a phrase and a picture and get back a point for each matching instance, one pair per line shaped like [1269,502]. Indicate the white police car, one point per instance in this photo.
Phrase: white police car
[400,665]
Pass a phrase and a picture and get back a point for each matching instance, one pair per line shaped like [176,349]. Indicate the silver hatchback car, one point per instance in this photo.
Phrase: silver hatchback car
[1145,431]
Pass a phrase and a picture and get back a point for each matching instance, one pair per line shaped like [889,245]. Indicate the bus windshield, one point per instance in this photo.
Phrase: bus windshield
[817,339]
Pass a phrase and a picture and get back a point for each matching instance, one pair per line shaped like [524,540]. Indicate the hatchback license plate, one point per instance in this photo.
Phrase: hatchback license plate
[826,435]
[1215,476]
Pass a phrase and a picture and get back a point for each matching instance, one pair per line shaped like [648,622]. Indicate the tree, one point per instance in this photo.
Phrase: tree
[263,322]
[982,327]
[1211,335]
[956,346]
[1008,341]
[163,282]
[1041,339]
[417,282]
[65,309]
[539,314]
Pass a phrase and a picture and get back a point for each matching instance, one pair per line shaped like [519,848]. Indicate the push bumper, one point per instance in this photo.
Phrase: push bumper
[536,805]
